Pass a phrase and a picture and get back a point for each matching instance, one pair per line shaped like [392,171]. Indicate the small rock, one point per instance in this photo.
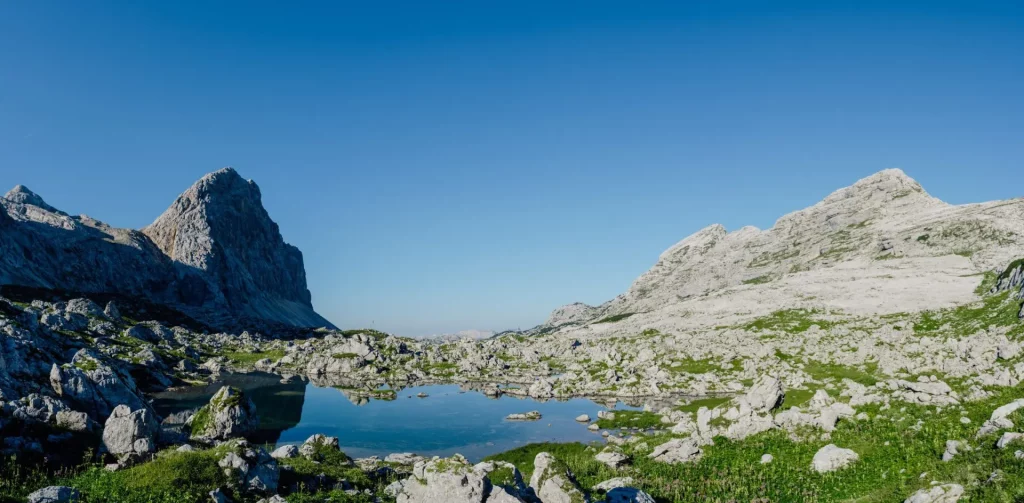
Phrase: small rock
[285,452]
[767,458]
[528,416]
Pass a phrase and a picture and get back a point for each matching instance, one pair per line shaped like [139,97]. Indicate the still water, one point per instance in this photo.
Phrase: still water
[449,420]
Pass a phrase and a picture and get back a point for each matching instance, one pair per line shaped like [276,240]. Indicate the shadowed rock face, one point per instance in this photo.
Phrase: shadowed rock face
[219,227]
[215,255]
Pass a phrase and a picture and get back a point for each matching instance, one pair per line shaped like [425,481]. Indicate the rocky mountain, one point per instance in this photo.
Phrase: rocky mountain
[214,255]
[882,245]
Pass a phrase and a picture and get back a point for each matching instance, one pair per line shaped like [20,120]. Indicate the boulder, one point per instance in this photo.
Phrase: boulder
[610,484]
[1008,438]
[251,468]
[946,493]
[319,447]
[612,458]
[285,452]
[583,418]
[55,494]
[444,479]
[403,458]
[552,481]
[129,433]
[679,450]
[229,414]
[831,458]
[628,495]
[764,396]
[95,385]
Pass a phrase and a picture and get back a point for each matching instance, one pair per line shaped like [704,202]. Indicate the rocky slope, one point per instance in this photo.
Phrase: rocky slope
[880,246]
[215,255]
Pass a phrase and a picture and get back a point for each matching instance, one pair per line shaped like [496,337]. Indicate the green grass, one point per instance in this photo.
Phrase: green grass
[631,419]
[767,278]
[173,477]
[822,371]
[998,310]
[249,359]
[344,356]
[790,320]
[730,470]
[988,281]
[797,397]
[615,317]
[691,366]
[767,258]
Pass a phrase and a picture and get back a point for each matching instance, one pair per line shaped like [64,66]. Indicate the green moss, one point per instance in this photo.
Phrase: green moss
[200,421]
[768,258]
[502,477]
[86,364]
[344,356]
[615,317]
[767,278]
[790,320]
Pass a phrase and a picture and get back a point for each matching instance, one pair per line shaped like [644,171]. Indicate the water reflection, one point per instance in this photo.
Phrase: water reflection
[375,419]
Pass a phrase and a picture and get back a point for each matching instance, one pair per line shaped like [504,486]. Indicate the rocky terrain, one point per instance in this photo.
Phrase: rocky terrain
[214,255]
[868,348]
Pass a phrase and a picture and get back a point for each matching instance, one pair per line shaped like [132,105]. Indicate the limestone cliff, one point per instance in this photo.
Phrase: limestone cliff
[214,255]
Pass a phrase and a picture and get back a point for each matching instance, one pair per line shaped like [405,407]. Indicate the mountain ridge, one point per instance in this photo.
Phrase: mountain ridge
[885,225]
[214,255]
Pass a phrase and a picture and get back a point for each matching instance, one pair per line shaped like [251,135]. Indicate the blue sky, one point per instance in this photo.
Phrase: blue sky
[456,165]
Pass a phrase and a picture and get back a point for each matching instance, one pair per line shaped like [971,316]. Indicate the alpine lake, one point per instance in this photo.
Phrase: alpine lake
[430,420]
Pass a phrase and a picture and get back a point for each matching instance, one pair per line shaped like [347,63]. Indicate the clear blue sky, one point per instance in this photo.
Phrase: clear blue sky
[448,166]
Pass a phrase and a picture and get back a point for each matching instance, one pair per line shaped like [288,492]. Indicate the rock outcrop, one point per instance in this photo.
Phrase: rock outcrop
[229,414]
[214,255]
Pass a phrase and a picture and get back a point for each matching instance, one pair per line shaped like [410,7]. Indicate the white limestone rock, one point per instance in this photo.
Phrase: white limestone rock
[831,458]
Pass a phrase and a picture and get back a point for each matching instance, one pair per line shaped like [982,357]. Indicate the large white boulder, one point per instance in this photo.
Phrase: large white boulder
[831,458]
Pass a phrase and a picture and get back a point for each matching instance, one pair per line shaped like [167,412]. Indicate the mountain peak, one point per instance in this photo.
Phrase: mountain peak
[219,226]
[22,194]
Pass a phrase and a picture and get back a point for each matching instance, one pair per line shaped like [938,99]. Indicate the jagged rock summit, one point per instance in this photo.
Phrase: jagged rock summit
[215,255]
[219,226]
[882,245]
